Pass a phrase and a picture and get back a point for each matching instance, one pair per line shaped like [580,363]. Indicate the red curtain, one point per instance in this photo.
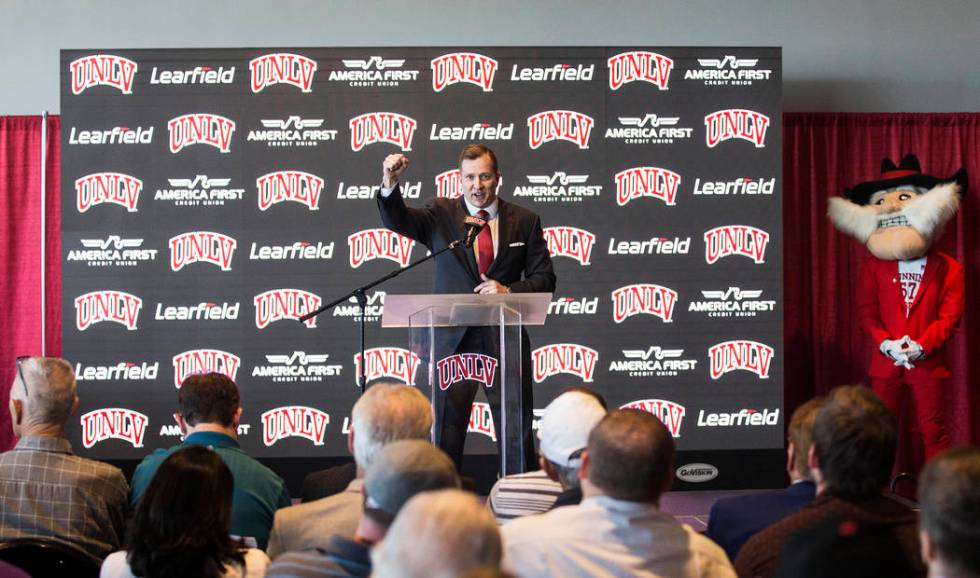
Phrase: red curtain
[20,248]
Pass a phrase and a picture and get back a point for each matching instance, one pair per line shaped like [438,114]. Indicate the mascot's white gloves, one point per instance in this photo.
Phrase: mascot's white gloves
[913,351]
[904,351]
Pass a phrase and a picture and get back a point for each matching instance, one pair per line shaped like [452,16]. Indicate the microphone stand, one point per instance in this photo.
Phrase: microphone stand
[359,295]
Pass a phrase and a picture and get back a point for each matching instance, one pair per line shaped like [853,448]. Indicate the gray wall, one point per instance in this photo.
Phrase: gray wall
[838,55]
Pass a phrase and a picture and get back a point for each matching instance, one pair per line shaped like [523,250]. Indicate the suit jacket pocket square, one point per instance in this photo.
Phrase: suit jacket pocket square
[516,244]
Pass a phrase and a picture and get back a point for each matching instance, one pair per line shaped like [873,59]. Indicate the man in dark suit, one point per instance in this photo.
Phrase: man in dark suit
[509,256]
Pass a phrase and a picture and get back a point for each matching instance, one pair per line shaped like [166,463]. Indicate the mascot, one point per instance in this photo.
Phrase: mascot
[910,297]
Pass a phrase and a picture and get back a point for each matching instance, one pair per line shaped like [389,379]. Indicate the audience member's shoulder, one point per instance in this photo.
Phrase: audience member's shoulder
[539,527]
[100,472]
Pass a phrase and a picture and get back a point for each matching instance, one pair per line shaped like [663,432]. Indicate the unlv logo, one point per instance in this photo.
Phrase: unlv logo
[282,68]
[652,182]
[392,362]
[202,247]
[113,422]
[466,366]
[668,412]
[736,123]
[280,304]
[735,240]
[481,420]
[375,127]
[569,358]
[196,361]
[200,128]
[644,298]
[570,242]
[102,69]
[740,354]
[99,188]
[449,185]
[463,67]
[296,186]
[639,65]
[371,244]
[294,421]
[98,306]
[552,125]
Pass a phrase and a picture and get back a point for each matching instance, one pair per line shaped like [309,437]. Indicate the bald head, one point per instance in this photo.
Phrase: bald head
[630,456]
[47,399]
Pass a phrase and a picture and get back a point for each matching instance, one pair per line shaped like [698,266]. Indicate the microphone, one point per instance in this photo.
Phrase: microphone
[473,227]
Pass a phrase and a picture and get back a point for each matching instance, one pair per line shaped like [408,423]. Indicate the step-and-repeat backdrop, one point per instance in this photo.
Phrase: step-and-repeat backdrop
[210,197]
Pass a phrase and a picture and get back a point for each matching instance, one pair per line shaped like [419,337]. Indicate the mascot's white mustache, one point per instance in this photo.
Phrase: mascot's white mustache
[926,213]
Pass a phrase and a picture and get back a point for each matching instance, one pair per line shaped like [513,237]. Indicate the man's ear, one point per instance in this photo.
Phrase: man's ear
[74,406]
[811,458]
[790,456]
[583,468]
[350,439]
[926,547]
[181,423]
[237,419]
[16,411]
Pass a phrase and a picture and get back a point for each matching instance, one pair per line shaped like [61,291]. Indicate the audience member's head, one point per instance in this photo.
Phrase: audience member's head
[42,397]
[440,534]
[399,471]
[800,438]
[564,433]
[181,525]
[209,400]
[949,519]
[854,441]
[630,457]
[386,413]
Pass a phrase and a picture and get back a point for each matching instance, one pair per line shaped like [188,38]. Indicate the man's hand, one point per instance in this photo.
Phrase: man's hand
[393,166]
[489,287]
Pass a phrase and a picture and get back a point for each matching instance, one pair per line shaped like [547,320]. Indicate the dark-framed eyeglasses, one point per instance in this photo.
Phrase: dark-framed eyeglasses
[20,373]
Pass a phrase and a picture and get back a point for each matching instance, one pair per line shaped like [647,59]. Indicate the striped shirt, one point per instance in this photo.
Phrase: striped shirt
[522,494]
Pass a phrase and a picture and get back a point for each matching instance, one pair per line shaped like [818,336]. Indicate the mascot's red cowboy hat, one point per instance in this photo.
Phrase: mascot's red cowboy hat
[906,173]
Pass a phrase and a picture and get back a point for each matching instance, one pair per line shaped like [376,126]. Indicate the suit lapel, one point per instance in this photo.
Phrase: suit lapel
[932,266]
[506,229]
[463,254]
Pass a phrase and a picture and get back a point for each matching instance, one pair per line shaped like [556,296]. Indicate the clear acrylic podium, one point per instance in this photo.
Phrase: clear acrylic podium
[437,323]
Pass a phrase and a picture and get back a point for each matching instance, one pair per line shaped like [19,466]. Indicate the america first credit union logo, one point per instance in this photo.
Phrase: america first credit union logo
[670,413]
[654,361]
[388,362]
[297,367]
[375,127]
[552,125]
[649,129]
[570,242]
[741,240]
[743,354]
[205,361]
[282,68]
[113,423]
[373,71]
[728,70]
[294,421]
[371,244]
[468,67]
[99,188]
[113,251]
[200,128]
[644,298]
[568,358]
[296,186]
[557,187]
[735,123]
[292,131]
[202,247]
[373,309]
[653,182]
[200,191]
[466,367]
[116,306]
[102,70]
[732,302]
[278,304]
[639,66]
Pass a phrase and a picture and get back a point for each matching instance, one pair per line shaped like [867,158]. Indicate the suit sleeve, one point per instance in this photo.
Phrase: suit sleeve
[539,274]
[950,310]
[417,224]
[868,306]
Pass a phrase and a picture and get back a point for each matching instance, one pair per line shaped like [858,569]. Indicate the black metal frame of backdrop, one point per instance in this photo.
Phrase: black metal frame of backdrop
[210,196]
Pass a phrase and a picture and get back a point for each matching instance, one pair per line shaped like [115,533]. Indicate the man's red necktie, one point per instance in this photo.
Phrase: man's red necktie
[485,243]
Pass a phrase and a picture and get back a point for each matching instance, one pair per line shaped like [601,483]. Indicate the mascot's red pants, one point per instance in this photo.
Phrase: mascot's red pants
[926,395]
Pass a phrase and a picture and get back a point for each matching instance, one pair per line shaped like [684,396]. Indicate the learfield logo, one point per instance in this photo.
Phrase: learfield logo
[735,240]
[292,131]
[573,306]
[375,127]
[651,246]
[122,371]
[654,361]
[649,129]
[466,367]
[297,367]
[570,242]
[279,304]
[294,421]
[298,251]
[371,244]
[557,187]
[739,186]
[552,125]
[457,67]
[569,358]
[282,68]
[728,71]
[122,135]
[100,188]
[99,306]
[388,362]
[742,418]
[374,71]
[197,361]
[200,128]
[202,247]
[670,413]
[113,251]
[743,354]
[200,191]
[735,123]
[102,70]
[409,190]
[196,75]
[478,131]
[204,311]
[644,298]
[296,186]
[732,302]
[558,73]
[481,420]
[373,310]
[642,66]
[653,182]
[113,423]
